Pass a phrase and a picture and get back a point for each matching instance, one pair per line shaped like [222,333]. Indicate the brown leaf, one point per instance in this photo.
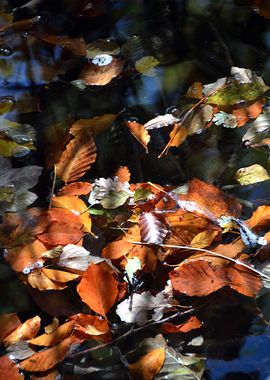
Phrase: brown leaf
[191,324]
[55,337]
[117,249]
[148,366]
[260,218]
[178,135]
[76,206]
[153,228]
[76,188]
[24,258]
[95,75]
[95,125]
[77,158]
[52,374]
[38,280]
[8,323]
[90,325]
[61,233]
[98,288]
[59,275]
[195,91]
[59,214]
[9,369]
[26,331]
[123,174]
[139,132]
[200,277]
[76,46]
[247,113]
[212,206]
[200,120]
[44,360]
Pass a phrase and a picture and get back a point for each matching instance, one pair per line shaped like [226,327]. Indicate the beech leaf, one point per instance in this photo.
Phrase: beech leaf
[153,228]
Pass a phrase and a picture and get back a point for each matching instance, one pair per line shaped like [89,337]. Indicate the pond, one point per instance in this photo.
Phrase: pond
[94,90]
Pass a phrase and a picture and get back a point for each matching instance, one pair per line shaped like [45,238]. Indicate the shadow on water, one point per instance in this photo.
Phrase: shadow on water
[193,40]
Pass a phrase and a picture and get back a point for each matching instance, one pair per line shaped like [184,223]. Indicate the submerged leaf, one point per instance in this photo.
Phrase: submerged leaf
[146,65]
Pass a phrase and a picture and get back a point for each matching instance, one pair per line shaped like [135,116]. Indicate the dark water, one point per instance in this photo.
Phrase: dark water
[194,40]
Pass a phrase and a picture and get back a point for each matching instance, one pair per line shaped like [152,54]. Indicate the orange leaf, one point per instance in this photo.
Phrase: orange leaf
[101,75]
[123,174]
[203,239]
[195,91]
[200,278]
[178,135]
[76,206]
[52,326]
[90,324]
[212,206]
[55,337]
[77,158]
[44,360]
[59,214]
[139,132]
[23,257]
[26,331]
[76,188]
[191,324]
[148,366]
[247,113]
[61,233]
[8,323]
[96,124]
[59,275]
[9,369]
[117,249]
[260,218]
[38,280]
[98,287]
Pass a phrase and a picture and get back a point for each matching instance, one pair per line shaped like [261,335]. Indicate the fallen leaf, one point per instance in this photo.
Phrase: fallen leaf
[146,65]
[251,174]
[9,369]
[98,288]
[57,336]
[75,188]
[90,324]
[61,233]
[148,366]
[44,360]
[76,46]
[161,121]
[102,46]
[178,135]
[95,125]
[59,275]
[77,158]
[123,174]
[152,227]
[195,91]
[245,114]
[38,280]
[257,128]
[76,206]
[117,249]
[139,132]
[74,258]
[27,257]
[8,323]
[200,119]
[260,218]
[96,74]
[203,239]
[26,331]
[52,326]
[191,324]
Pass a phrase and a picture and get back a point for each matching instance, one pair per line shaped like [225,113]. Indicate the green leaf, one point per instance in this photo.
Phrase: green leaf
[142,194]
[251,174]
[114,199]
[133,265]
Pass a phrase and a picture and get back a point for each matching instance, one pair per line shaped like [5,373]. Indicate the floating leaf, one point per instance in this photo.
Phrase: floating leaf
[257,128]
[146,65]
[139,132]
[26,331]
[153,228]
[178,135]
[77,158]
[75,45]
[247,113]
[98,288]
[148,366]
[200,120]
[44,360]
[76,206]
[101,46]
[95,125]
[96,74]
[161,121]
[251,174]
[191,324]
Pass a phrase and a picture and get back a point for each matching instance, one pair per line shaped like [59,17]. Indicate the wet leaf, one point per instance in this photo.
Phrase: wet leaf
[74,45]
[227,120]
[251,174]
[101,46]
[95,125]
[200,120]
[61,233]
[97,74]
[57,336]
[98,288]
[9,369]
[146,65]
[76,206]
[161,121]
[148,366]
[245,114]
[139,132]
[52,326]
[191,324]
[77,158]
[26,331]
[178,135]
[44,360]
[153,228]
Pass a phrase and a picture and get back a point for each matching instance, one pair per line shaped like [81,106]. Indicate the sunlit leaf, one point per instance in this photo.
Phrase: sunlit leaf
[148,366]
[98,288]
[8,323]
[97,74]
[57,336]
[76,188]
[191,324]
[123,174]
[227,120]
[161,121]
[251,174]
[61,233]
[139,132]
[153,228]
[38,280]
[26,331]
[9,369]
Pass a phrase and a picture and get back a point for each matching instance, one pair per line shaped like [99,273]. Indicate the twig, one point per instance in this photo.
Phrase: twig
[132,331]
[210,253]
[53,186]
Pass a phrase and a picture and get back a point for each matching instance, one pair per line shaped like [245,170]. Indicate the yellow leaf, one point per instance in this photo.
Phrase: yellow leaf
[251,174]
[146,65]
[148,366]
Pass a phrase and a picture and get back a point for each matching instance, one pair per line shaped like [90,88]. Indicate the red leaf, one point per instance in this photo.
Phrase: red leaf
[76,188]
[153,228]
[9,369]
[61,233]
[99,288]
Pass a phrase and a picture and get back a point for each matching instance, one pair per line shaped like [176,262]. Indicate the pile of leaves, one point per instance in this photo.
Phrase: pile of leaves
[109,259]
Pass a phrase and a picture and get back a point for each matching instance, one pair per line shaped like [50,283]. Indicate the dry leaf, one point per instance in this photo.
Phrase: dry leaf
[247,113]
[26,331]
[76,188]
[99,288]
[8,323]
[95,125]
[178,135]
[251,174]
[59,275]
[9,369]
[55,337]
[153,228]
[100,75]
[38,280]
[203,239]
[77,158]
[52,326]
[123,174]
[61,233]
[148,366]
[76,206]
[191,324]
[139,132]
